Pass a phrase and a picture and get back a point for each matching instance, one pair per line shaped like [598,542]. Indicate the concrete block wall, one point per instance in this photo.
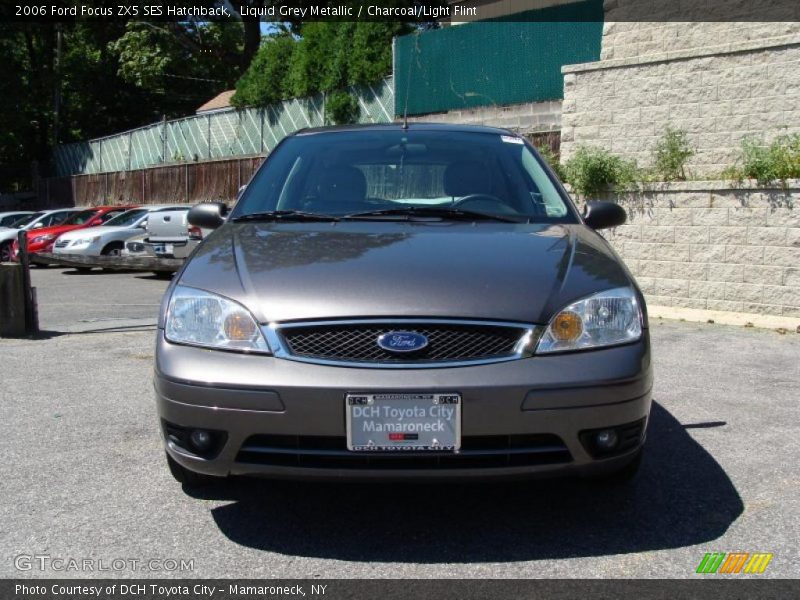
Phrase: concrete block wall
[721,82]
[711,245]
[529,117]
[632,39]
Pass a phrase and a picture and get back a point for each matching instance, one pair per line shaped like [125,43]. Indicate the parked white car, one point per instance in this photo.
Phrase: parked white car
[109,239]
[7,219]
[37,220]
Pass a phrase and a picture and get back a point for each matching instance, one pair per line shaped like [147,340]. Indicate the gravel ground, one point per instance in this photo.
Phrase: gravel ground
[85,477]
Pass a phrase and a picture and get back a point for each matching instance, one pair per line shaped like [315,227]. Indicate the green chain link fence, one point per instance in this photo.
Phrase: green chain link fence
[504,61]
[220,134]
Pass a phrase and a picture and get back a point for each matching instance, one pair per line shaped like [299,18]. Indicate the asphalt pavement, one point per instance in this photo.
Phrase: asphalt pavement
[84,475]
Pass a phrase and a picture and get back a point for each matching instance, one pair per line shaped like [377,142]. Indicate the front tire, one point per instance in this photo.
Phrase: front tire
[186,477]
[113,249]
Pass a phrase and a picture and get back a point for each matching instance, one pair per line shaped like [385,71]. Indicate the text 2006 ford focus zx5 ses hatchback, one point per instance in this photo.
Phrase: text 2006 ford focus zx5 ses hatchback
[420,302]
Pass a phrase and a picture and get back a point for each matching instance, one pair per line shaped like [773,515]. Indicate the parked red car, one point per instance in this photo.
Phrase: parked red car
[42,239]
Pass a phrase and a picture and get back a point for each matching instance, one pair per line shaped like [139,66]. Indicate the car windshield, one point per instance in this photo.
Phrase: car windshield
[419,172]
[80,218]
[127,218]
[19,223]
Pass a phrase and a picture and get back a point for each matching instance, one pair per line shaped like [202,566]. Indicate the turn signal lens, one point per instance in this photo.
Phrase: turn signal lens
[240,327]
[567,326]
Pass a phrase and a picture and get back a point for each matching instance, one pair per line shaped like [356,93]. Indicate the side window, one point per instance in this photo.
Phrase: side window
[110,215]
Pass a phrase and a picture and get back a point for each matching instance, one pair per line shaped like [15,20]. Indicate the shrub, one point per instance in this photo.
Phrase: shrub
[592,171]
[266,79]
[551,158]
[341,108]
[670,155]
[777,162]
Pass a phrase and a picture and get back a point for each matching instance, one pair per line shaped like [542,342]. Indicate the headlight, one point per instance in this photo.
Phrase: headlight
[204,319]
[90,240]
[42,238]
[604,319]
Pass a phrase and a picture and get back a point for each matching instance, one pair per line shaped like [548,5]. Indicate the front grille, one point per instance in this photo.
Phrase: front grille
[358,342]
[477,452]
[62,243]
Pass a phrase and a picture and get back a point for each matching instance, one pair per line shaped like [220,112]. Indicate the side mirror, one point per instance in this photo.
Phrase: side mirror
[601,215]
[208,215]
[38,225]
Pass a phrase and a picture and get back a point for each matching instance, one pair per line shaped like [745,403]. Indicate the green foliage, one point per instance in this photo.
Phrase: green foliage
[341,108]
[778,161]
[266,80]
[550,157]
[671,154]
[329,56]
[183,63]
[592,171]
[369,57]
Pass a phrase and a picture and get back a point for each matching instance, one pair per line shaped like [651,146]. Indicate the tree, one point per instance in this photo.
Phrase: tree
[266,81]
[328,56]
[184,63]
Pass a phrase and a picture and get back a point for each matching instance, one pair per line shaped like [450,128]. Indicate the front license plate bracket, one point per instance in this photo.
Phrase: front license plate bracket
[419,422]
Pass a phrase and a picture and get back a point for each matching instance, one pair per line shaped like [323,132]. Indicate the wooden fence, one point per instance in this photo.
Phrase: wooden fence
[179,183]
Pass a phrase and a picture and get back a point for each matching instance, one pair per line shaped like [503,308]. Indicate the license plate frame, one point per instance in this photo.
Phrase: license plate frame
[408,427]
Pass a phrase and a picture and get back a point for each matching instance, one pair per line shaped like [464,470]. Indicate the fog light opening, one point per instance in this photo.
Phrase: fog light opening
[606,440]
[200,439]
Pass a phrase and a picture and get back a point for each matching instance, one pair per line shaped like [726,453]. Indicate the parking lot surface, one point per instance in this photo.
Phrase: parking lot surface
[85,477]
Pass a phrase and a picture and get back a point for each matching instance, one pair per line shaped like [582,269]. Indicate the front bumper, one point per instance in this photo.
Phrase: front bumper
[250,398]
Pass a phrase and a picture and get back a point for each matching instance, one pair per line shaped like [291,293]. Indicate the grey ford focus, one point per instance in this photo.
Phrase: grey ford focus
[407,302]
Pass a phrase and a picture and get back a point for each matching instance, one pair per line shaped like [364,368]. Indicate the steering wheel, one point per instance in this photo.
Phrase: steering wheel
[481,200]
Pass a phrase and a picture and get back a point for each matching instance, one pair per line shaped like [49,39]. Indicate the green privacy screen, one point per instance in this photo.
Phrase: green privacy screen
[503,61]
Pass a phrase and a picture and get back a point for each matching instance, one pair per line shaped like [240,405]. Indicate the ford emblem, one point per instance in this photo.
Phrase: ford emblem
[402,341]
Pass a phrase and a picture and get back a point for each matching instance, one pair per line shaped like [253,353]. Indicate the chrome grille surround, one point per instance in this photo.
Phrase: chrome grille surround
[353,343]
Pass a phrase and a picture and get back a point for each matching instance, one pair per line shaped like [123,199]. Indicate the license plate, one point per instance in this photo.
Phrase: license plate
[163,249]
[403,422]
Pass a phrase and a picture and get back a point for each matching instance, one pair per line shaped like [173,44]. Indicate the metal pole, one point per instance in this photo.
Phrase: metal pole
[31,317]
[57,86]
[164,139]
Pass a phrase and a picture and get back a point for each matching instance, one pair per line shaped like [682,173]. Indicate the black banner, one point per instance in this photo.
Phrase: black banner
[389,589]
[419,11]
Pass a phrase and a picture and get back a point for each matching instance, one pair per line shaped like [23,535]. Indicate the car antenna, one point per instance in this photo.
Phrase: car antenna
[408,81]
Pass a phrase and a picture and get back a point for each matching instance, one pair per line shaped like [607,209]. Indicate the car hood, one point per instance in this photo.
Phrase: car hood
[289,271]
[99,230]
[54,230]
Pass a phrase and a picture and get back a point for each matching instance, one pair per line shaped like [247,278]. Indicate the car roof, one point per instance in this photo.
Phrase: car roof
[160,207]
[50,211]
[411,127]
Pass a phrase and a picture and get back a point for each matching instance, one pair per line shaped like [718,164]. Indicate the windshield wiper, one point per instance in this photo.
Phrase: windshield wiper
[285,215]
[455,214]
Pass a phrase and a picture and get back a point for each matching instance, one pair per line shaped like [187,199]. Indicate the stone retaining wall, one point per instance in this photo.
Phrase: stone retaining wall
[713,245]
[720,82]
[526,118]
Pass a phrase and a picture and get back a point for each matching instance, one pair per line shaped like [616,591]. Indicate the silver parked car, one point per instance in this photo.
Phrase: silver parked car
[403,302]
[37,220]
[8,218]
[109,239]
